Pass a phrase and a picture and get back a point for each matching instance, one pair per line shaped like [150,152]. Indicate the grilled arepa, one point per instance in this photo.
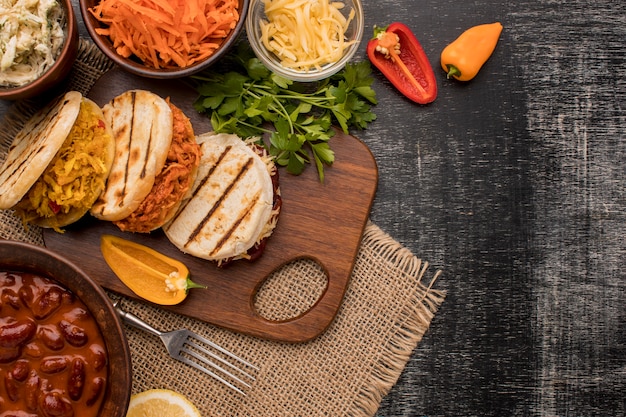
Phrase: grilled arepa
[141,123]
[234,204]
[58,163]
[155,164]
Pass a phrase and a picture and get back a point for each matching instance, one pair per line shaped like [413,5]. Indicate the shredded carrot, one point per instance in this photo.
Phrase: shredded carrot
[166,33]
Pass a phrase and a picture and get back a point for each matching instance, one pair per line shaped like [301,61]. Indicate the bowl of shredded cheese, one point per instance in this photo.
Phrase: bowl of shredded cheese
[38,46]
[305,40]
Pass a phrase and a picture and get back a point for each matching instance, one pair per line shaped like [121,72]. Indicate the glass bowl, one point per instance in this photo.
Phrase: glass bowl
[354,32]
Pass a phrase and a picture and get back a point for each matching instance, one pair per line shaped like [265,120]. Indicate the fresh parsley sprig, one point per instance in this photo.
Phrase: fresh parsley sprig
[243,97]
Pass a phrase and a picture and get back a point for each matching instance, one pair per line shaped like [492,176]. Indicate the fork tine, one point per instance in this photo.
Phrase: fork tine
[218,367]
[214,356]
[222,350]
[193,348]
[211,373]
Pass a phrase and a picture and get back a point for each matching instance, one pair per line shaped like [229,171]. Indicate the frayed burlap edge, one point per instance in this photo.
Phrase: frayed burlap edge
[416,320]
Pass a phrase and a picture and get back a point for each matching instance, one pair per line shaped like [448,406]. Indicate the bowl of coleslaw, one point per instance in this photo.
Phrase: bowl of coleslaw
[38,46]
[305,40]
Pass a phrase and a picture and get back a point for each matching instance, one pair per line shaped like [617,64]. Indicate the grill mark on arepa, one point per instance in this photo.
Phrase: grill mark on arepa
[133,96]
[49,121]
[229,233]
[246,166]
[152,135]
[212,169]
[204,179]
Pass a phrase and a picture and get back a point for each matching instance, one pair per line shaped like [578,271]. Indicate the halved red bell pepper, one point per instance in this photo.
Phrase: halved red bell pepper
[395,51]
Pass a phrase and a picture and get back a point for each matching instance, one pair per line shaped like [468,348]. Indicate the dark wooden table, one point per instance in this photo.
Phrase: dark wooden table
[514,185]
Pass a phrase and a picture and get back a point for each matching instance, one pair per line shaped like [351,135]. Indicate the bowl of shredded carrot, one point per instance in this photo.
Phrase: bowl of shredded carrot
[164,38]
[305,40]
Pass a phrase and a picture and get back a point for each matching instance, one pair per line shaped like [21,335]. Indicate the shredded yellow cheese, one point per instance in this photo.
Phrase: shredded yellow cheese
[305,34]
[75,175]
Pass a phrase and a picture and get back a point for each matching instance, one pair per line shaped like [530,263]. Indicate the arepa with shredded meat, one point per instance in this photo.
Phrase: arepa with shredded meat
[234,204]
[155,164]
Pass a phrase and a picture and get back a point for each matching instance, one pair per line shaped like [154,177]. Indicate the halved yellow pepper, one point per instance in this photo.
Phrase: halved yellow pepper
[151,275]
[463,58]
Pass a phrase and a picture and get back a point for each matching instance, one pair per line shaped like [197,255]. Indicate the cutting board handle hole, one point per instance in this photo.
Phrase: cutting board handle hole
[281,297]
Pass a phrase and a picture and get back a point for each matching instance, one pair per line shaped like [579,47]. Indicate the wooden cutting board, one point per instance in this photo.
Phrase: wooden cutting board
[322,222]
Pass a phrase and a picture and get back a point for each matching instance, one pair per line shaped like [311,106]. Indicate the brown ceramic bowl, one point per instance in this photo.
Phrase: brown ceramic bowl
[135,66]
[23,257]
[59,70]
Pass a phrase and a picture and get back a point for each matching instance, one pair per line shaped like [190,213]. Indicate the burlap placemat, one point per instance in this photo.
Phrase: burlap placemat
[346,371]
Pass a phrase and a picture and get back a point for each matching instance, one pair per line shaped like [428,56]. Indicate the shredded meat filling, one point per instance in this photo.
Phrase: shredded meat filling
[171,184]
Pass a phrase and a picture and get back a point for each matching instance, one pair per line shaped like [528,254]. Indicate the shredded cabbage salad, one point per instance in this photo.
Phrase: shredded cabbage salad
[31,38]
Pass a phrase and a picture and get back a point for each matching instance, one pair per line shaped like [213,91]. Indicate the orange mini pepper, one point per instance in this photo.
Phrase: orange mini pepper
[463,58]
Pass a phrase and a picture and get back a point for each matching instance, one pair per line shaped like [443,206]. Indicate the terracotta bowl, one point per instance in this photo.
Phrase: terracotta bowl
[59,70]
[23,257]
[135,66]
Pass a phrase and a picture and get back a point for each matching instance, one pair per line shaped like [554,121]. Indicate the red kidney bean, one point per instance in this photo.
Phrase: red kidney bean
[31,390]
[76,314]
[45,385]
[9,297]
[20,370]
[33,350]
[47,303]
[53,364]
[11,387]
[53,404]
[99,359]
[76,382]
[51,336]
[94,390]
[8,355]
[7,279]
[27,295]
[73,334]
[16,333]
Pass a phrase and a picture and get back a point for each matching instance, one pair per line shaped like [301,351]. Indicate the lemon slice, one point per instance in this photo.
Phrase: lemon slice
[150,274]
[159,403]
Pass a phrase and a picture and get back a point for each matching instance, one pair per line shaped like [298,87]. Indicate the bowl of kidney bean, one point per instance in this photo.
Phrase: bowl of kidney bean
[63,351]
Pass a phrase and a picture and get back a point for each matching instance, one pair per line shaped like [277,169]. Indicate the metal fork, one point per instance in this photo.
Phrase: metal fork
[188,347]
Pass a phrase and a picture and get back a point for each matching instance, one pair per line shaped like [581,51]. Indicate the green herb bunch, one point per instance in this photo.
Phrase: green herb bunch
[245,98]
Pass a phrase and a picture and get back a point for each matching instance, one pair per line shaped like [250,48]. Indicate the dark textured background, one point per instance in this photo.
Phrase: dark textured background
[514,185]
